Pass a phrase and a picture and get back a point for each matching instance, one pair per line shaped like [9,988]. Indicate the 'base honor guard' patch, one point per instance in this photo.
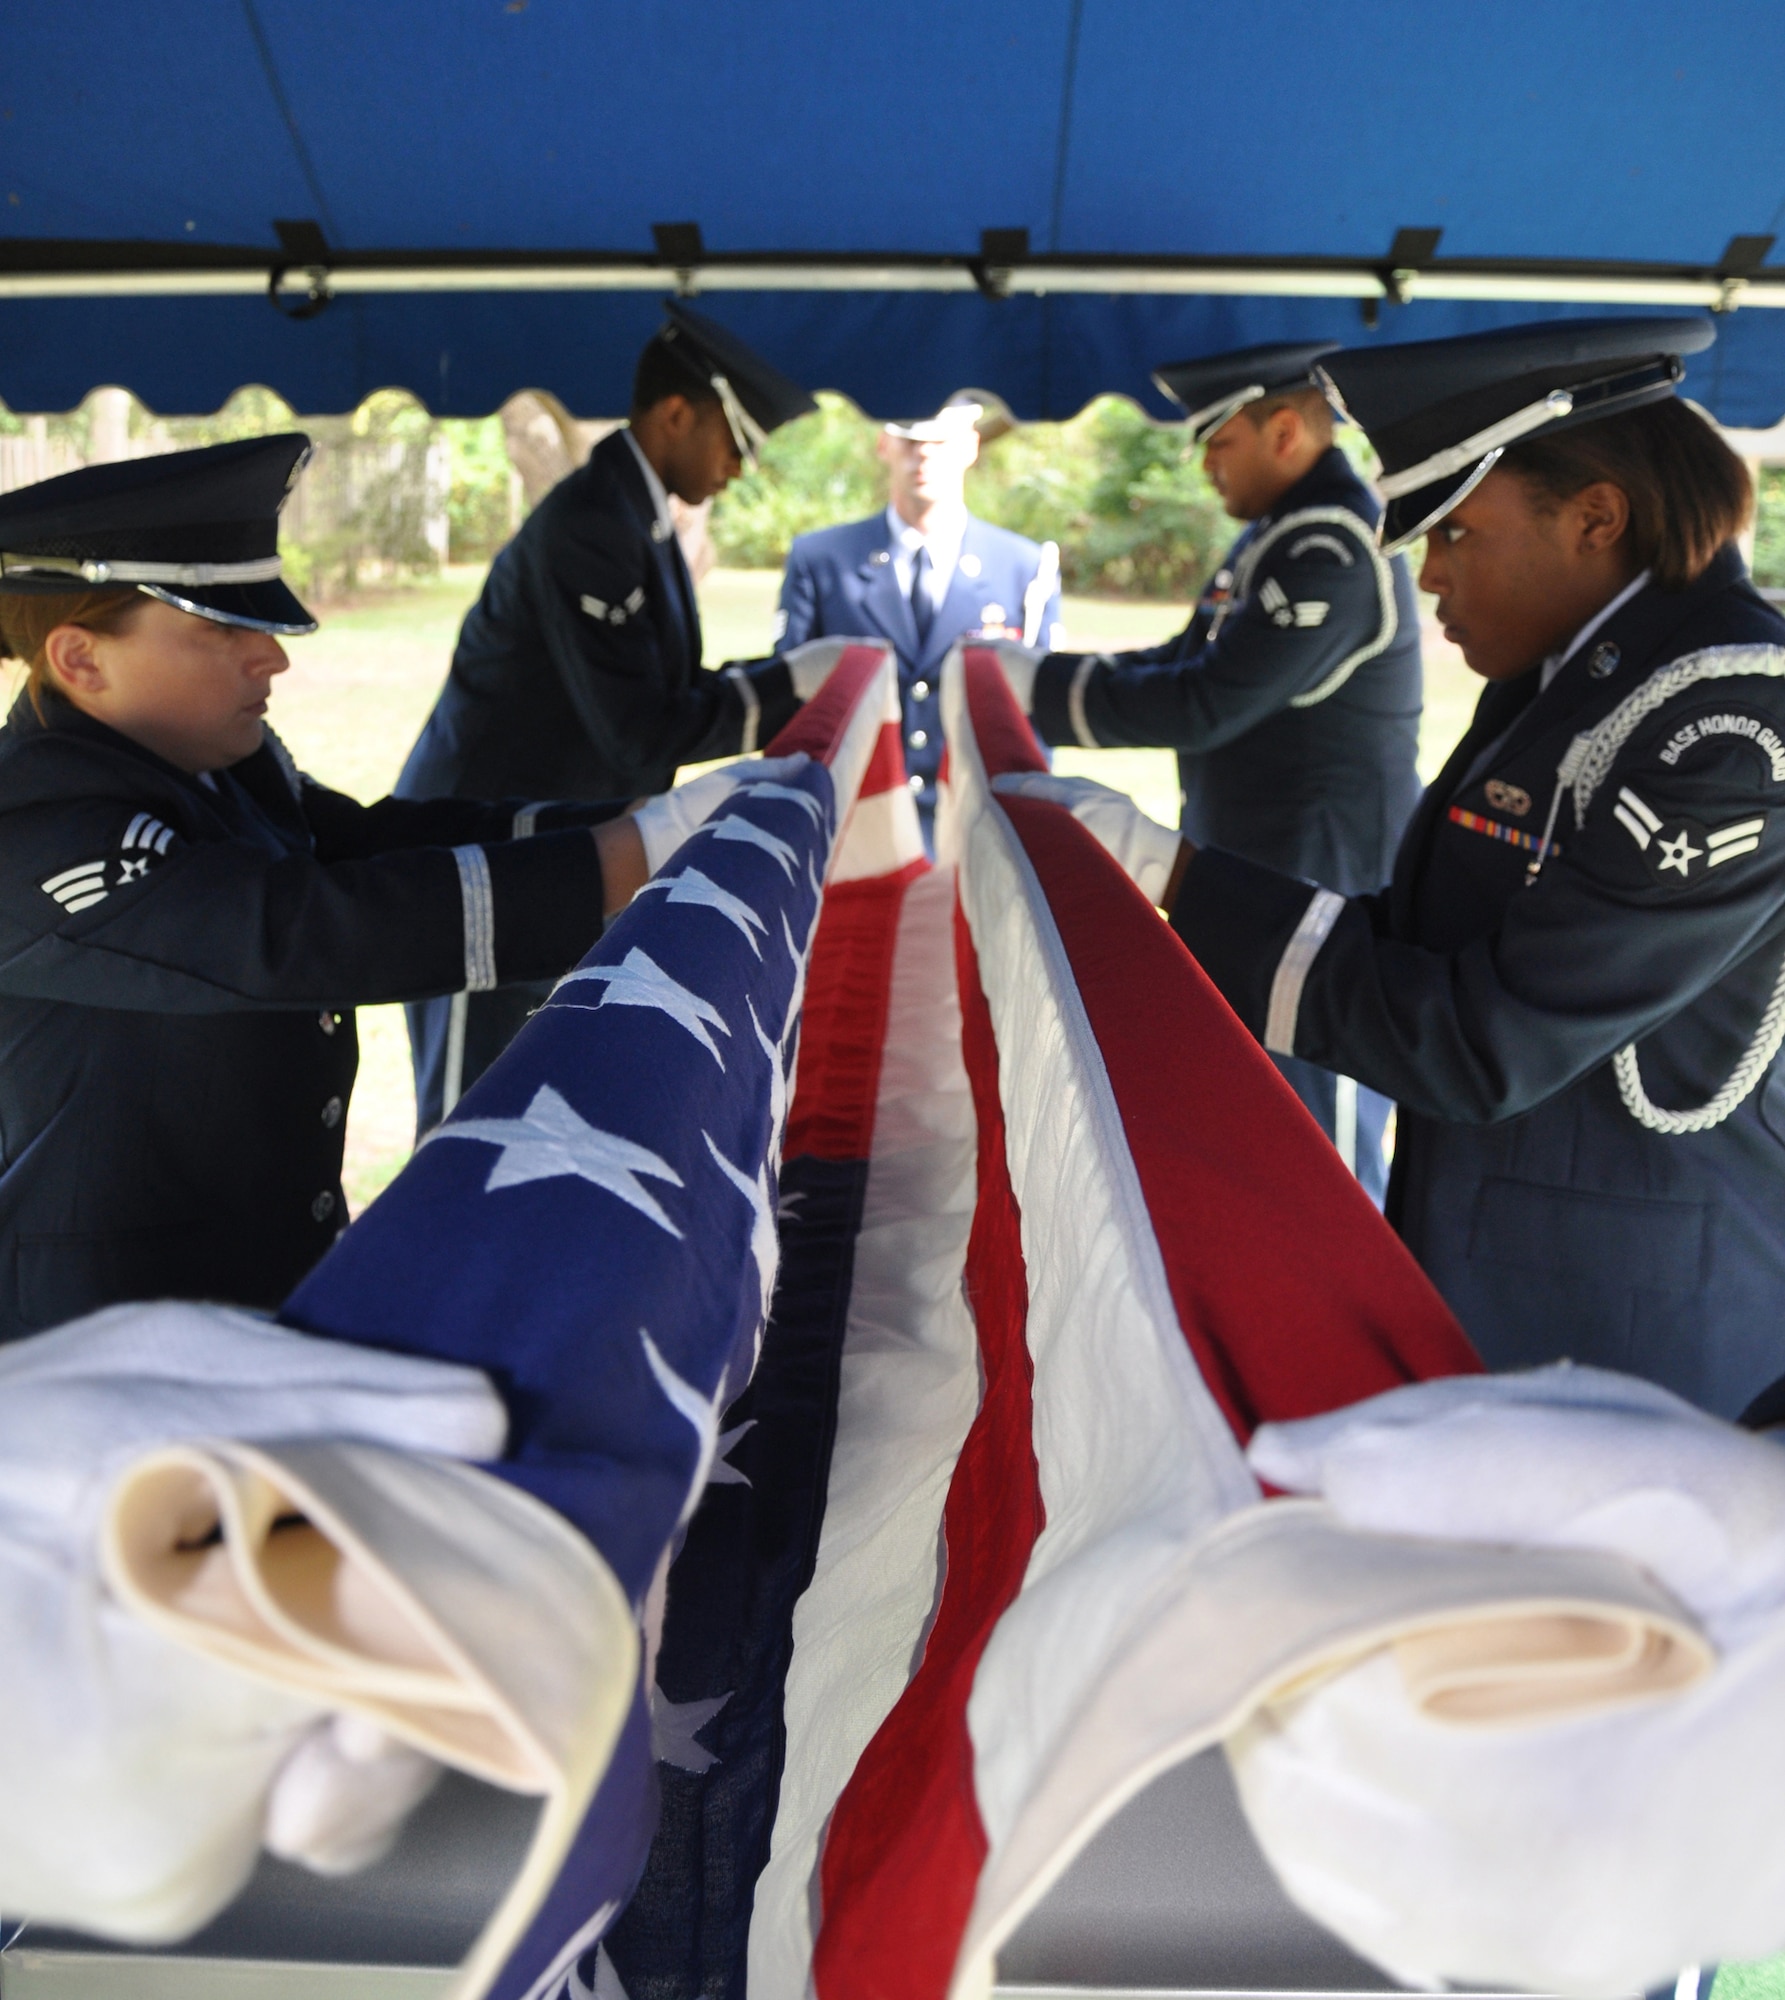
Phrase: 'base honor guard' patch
[1680,850]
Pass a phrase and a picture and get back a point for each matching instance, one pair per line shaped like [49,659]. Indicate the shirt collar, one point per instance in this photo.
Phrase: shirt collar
[1557,661]
[654,486]
[943,541]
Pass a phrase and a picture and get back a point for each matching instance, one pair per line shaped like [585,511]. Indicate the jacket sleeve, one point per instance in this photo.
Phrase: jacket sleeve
[595,620]
[797,618]
[1616,936]
[1320,602]
[345,830]
[89,914]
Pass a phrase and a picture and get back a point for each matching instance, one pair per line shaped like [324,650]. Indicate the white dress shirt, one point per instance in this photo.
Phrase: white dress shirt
[655,487]
[943,540]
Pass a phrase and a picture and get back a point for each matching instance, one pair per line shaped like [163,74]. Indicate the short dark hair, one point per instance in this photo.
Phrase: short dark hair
[662,371]
[1316,411]
[1688,492]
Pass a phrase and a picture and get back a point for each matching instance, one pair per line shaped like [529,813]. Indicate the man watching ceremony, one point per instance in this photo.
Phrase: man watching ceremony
[1293,696]
[923,573]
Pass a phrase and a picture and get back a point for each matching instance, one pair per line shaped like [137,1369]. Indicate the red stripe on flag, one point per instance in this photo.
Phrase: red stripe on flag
[886,767]
[818,727]
[1294,1294]
[905,1846]
[843,1025]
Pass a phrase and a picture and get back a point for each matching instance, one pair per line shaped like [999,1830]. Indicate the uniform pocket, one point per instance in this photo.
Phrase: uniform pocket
[1620,1242]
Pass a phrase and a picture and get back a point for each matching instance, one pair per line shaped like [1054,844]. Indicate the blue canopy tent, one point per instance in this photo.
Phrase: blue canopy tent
[1042,197]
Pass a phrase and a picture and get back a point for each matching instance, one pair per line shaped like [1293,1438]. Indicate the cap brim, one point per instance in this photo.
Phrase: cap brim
[262,607]
[1408,517]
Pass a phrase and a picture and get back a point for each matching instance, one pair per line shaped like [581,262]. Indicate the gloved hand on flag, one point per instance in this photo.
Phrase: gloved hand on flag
[809,666]
[667,820]
[1591,1855]
[1019,664]
[1147,851]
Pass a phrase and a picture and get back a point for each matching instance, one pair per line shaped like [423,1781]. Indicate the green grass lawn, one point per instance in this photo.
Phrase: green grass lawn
[359,690]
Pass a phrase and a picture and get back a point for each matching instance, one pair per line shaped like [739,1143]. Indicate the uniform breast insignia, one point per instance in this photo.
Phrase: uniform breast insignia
[992,614]
[1513,836]
[970,564]
[1680,850]
[880,557]
[1604,661]
[1507,798]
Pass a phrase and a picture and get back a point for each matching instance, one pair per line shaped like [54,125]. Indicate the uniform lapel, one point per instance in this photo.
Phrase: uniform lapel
[674,583]
[884,602]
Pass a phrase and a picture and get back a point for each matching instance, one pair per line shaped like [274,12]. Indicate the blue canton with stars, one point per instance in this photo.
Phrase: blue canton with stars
[594,1227]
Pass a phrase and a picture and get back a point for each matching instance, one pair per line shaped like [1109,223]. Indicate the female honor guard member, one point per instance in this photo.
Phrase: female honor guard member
[186,922]
[1573,987]
[1293,696]
[578,671]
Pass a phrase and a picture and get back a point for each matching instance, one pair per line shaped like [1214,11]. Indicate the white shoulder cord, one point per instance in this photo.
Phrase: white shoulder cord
[1337,517]
[1584,768]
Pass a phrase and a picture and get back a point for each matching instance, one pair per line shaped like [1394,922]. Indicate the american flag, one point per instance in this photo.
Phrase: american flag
[892,1396]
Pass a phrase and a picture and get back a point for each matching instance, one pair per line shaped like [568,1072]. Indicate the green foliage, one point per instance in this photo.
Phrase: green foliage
[1114,490]
[1769,529]
[813,472]
[478,513]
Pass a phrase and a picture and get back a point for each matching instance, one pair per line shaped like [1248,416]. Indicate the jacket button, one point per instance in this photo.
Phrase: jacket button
[328,1021]
[920,690]
[324,1205]
[331,1113]
[915,782]
[919,737]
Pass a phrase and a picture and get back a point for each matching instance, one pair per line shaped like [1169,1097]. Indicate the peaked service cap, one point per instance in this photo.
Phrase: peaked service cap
[1442,412]
[1219,386]
[197,529]
[757,398]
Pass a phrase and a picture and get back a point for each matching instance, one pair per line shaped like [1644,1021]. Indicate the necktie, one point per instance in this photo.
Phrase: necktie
[922,611]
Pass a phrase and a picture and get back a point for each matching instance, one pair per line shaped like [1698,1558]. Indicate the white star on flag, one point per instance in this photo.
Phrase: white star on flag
[676,1724]
[691,886]
[777,1085]
[700,1413]
[724,1473]
[639,981]
[752,835]
[559,1980]
[550,1139]
[763,1242]
[766,790]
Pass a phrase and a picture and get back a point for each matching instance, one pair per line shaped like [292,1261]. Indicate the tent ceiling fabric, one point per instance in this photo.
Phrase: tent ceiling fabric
[1279,137]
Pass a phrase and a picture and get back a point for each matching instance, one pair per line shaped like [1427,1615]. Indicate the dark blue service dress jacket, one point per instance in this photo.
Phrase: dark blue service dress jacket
[578,671]
[179,962]
[1292,697]
[1562,1024]
[842,583]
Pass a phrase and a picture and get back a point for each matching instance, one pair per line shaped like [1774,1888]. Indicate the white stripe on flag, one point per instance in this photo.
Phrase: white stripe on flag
[908,1390]
[882,835]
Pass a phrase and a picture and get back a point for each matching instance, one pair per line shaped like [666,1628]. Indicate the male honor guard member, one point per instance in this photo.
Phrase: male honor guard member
[1293,696]
[1574,986]
[187,922]
[923,573]
[578,671]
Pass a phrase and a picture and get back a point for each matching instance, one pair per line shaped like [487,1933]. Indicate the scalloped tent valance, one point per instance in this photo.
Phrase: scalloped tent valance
[1045,197]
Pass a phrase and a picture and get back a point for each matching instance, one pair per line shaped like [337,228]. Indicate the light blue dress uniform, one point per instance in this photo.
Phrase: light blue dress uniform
[856,581]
